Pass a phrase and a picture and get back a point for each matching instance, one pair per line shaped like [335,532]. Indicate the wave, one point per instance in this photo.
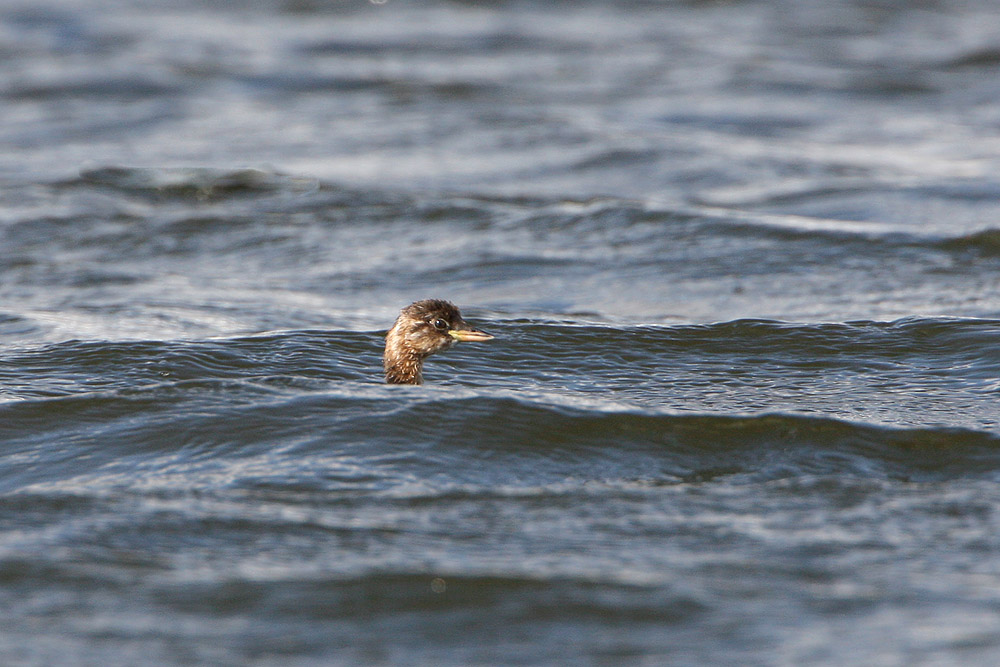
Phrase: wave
[531,352]
[648,363]
[501,231]
[397,592]
[86,366]
[683,446]
[199,183]
[985,242]
[545,403]
[267,429]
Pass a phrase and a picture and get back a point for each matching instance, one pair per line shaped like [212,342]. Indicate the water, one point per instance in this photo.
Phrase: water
[740,260]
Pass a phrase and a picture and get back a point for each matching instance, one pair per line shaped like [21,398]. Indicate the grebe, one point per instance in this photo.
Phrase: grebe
[423,328]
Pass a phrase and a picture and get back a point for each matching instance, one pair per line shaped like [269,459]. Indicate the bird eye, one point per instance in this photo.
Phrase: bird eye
[440,324]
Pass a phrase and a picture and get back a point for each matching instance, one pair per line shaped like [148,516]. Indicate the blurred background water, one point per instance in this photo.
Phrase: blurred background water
[741,260]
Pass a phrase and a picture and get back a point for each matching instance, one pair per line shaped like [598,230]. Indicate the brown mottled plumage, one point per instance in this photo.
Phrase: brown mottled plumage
[423,328]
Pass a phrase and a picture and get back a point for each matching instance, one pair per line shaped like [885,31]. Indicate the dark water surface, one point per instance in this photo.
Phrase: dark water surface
[742,263]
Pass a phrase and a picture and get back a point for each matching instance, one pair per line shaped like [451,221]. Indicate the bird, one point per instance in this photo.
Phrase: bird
[423,328]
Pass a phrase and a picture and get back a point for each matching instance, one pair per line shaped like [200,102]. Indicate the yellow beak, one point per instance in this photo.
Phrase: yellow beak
[469,335]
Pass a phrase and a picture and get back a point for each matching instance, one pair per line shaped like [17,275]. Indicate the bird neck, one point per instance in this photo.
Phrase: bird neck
[402,365]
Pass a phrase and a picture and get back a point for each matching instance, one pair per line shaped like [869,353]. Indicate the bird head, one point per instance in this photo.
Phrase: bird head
[432,325]
[423,328]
